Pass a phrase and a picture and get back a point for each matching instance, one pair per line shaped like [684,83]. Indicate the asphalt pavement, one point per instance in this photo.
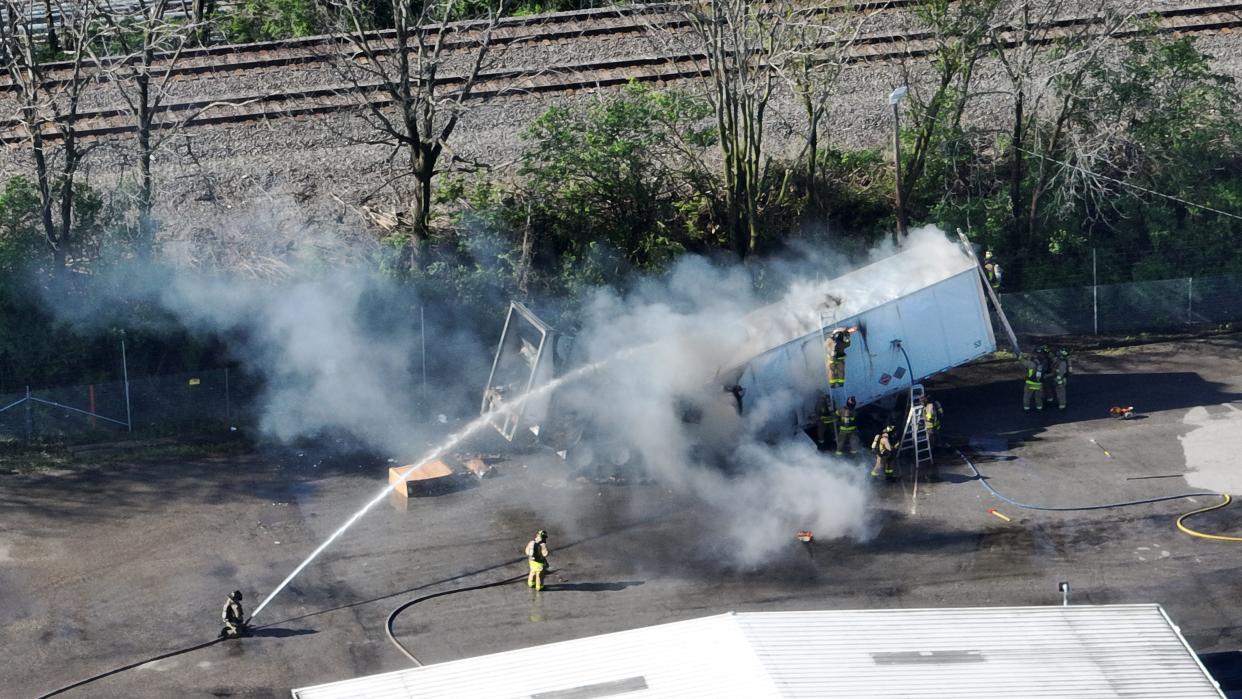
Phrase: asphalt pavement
[102,565]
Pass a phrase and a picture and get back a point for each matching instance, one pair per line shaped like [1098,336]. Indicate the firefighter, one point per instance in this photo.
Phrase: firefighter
[1061,372]
[826,428]
[847,427]
[233,616]
[537,556]
[1033,386]
[1043,357]
[931,412]
[834,347]
[882,446]
[992,270]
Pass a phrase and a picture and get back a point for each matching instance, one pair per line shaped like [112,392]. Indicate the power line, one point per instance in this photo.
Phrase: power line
[1131,186]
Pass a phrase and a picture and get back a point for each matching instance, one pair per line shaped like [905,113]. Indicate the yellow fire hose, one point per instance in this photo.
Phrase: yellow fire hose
[1181,526]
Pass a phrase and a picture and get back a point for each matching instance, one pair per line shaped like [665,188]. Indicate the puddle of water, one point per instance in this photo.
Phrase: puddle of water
[1211,448]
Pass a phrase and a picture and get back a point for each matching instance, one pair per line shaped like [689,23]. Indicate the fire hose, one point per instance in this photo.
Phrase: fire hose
[199,646]
[1181,526]
[130,666]
[392,616]
[1181,521]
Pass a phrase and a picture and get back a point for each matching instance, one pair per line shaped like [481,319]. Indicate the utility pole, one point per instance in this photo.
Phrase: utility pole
[895,99]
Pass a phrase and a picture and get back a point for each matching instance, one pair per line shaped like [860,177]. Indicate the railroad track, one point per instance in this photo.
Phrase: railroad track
[509,31]
[559,79]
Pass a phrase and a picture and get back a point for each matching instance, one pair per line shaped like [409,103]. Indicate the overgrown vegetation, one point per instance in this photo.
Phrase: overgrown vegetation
[1109,142]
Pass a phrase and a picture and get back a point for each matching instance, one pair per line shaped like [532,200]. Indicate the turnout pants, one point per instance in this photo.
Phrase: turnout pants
[1033,394]
[836,372]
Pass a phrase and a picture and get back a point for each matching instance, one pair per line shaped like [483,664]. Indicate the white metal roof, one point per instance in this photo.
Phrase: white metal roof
[1076,651]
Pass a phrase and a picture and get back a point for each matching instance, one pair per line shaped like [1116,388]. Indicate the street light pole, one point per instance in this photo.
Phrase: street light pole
[895,100]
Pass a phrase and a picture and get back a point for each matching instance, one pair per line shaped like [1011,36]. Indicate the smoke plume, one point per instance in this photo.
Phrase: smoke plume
[672,347]
[335,356]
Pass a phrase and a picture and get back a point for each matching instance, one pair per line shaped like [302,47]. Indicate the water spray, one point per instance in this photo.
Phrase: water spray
[453,440]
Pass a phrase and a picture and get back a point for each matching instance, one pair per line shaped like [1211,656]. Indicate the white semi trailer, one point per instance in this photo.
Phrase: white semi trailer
[916,313]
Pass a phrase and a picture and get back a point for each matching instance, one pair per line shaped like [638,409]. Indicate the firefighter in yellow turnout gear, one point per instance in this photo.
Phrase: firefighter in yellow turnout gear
[847,427]
[1033,384]
[834,348]
[992,270]
[932,412]
[827,425]
[537,556]
[882,445]
[1061,372]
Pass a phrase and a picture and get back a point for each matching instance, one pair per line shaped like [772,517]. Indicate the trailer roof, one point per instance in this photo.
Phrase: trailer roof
[1056,651]
[926,259]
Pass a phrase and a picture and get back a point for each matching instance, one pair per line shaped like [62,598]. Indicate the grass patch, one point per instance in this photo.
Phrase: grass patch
[20,456]
[28,457]
[170,452]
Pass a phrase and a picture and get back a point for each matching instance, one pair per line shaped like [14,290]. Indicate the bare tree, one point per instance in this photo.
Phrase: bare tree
[821,39]
[49,27]
[47,112]
[200,12]
[412,86]
[1045,62]
[741,48]
[960,37]
[136,52]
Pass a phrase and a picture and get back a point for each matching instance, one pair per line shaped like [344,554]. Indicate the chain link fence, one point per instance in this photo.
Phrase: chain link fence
[150,405]
[1167,304]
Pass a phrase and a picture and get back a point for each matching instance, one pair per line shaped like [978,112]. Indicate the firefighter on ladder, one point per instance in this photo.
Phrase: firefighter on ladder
[834,348]
[992,270]
[882,445]
[1033,385]
[847,427]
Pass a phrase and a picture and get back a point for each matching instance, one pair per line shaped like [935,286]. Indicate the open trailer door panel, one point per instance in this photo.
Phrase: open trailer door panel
[523,361]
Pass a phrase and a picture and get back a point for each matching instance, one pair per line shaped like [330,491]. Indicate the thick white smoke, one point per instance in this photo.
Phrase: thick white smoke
[324,368]
[669,348]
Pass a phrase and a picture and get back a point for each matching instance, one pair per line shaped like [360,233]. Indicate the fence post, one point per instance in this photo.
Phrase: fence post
[129,418]
[228,404]
[422,340]
[1095,296]
[1190,300]
[29,416]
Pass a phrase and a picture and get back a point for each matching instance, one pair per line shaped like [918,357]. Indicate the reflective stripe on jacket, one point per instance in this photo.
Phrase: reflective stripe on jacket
[848,420]
[1034,378]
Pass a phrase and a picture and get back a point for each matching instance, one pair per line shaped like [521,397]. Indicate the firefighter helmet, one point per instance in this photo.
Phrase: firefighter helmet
[235,595]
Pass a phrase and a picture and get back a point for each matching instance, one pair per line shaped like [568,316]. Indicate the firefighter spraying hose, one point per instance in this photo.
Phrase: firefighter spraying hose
[234,629]
[448,444]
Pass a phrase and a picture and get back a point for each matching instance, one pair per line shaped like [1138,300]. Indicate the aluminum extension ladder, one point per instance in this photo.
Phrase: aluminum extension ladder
[827,321]
[914,437]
